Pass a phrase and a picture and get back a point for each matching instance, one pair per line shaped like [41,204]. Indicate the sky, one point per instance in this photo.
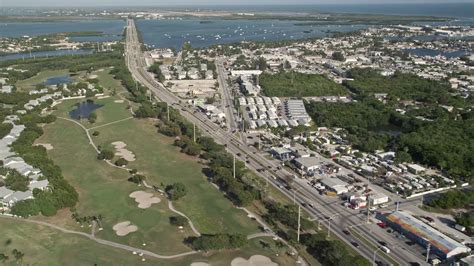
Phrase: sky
[31,3]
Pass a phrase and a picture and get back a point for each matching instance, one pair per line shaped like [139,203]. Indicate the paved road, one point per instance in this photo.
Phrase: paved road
[228,99]
[324,206]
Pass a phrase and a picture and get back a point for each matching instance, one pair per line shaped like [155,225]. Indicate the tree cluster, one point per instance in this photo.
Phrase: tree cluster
[217,242]
[295,84]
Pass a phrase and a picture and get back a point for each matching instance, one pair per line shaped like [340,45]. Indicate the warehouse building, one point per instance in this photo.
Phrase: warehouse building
[335,185]
[307,165]
[422,233]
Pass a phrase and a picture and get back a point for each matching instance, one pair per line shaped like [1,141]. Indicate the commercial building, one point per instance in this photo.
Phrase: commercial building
[416,169]
[307,164]
[377,199]
[281,153]
[422,233]
[335,184]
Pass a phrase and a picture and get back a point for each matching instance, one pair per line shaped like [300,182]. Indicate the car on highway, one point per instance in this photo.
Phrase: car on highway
[429,219]
[385,249]
[382,225]
[355,244]
[346,232]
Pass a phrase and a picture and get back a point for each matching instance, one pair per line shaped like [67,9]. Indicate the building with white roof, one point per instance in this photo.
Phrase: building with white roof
[335,184]
[16,197]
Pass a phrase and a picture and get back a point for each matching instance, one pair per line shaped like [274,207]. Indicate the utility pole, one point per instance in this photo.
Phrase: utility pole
[299,222]
[329,227]
[194,133]
[368,210]
[233,165]
[428,247]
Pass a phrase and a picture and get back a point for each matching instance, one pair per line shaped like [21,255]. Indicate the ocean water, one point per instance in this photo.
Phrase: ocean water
[111,28]
[174,33]
[452,9]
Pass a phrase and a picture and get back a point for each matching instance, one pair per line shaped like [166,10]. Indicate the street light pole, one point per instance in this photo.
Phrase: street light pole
[375,253]
[329,227]
[233,165]
[299,222]
[428,247]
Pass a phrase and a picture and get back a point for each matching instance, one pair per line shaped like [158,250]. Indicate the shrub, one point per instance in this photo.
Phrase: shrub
[121,162]
[178,220]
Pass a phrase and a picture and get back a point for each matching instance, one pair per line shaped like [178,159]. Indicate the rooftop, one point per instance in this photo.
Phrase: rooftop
[437,239]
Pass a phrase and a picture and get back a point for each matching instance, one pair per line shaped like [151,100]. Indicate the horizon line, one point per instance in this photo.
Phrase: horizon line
[229,4]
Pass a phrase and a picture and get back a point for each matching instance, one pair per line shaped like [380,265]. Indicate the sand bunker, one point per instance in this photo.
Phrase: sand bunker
[118,101]
[144,199]
[124,228]
[199,264]
[47,146]
[122,152]
[255,260]
[92,76]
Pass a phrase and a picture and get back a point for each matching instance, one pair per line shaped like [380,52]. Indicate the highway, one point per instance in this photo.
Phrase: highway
[227,98]
[341,217]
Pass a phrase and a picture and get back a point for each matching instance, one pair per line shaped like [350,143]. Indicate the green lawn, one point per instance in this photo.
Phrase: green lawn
[110,111]
[162,162]
[30,83]
[45,246]
[104,190]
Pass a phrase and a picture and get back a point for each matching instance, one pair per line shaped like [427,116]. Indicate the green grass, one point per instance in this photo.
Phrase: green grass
[104,190]
[110,111]
[45,246]
[28,84]
[161,162]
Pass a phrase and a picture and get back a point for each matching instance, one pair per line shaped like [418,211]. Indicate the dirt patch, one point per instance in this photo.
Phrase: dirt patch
[124,228]
[122,152]
[144,199]
[118,101]
[255,260]
[47,146]
[199,264]
[92,76]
